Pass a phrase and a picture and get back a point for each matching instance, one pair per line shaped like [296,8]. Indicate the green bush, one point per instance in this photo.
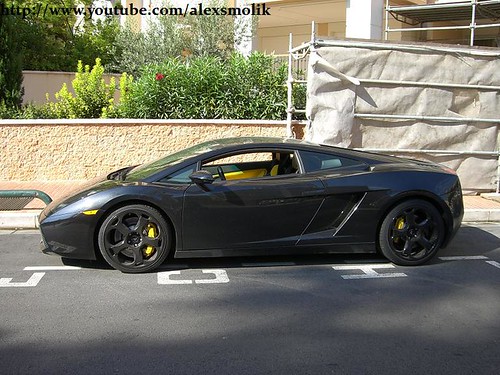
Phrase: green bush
[209,87]
[199,88]
[92,94]
[9,112]
[32,111]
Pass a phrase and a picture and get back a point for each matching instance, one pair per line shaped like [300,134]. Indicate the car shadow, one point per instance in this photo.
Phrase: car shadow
[98,264]
[470,241]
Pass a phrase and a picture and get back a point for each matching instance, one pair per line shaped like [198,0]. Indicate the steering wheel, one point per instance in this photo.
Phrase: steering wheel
[221,174]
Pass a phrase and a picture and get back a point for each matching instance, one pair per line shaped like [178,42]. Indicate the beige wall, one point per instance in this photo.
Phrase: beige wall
[38,84]
[296,17]
[40,150]
[275,39]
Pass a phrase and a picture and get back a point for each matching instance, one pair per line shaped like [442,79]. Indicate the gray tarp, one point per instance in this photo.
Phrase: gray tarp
[335,95]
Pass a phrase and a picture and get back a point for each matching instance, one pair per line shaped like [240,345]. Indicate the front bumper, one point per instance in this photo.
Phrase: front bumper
[69,237]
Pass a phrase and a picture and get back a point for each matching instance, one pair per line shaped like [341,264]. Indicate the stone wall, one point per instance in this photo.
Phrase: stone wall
[41,150]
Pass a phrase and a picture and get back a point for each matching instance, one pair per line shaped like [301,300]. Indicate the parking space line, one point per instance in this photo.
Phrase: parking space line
[51,268]
[493,263]
[378,276]
[471,257]
[368,271]
[31,282]
[220,277]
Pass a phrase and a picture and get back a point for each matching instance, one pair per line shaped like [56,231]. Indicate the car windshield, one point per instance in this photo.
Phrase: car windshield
[148,169]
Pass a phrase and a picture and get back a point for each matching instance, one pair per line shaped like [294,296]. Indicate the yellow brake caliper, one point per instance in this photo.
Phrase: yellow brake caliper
[152,232]
[400,223]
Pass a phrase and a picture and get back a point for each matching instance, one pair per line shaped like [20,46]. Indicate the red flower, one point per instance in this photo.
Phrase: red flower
[159,76]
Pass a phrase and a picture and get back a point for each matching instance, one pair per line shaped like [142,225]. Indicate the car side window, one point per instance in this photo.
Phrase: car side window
[181,176]
[252,165]
[316,161]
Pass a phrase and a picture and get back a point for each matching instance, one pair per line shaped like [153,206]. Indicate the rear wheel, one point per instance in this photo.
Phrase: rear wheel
[135,238]
[411,233]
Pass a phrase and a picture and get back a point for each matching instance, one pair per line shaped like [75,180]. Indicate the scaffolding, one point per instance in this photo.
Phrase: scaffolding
[303,50]
[472,11]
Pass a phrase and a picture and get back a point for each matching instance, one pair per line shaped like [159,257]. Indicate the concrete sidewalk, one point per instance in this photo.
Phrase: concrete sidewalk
[485,208]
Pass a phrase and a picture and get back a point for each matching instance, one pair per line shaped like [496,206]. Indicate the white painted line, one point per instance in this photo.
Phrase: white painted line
[220,277]
[367,267]
[368,271]
[493,263]
[51,268]
[379,276]
[471,257]
[32,281]
[269,264]
[164,278]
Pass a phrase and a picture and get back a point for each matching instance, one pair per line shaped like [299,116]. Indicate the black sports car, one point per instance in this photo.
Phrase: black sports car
[258,196]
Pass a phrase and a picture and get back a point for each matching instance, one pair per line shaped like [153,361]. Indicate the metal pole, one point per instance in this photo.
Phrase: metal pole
[473,21]
[289,86]
[498,174]
[424,151]
[498,166]
[380,82]
[313,34]
[432,28]
[464,4]
[386,32]
[410,48]
[430,118]
[44,197]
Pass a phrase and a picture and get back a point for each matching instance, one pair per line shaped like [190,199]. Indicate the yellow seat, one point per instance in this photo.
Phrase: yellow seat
[274,170]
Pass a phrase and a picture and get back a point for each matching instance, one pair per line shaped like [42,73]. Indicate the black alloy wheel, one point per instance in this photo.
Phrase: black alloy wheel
[135,238]
[411,233]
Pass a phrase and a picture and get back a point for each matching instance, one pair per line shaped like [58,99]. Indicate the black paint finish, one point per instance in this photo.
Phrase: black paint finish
[338,209]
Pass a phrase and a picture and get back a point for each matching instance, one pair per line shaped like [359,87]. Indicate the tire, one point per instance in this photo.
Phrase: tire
[411,233]
[135,238]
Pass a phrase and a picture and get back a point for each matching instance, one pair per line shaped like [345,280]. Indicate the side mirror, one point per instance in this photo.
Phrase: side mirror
[202,177]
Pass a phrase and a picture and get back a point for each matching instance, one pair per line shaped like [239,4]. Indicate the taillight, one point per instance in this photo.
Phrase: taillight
[448,170]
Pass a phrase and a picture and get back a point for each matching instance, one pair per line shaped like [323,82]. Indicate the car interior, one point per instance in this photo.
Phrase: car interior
[253,165]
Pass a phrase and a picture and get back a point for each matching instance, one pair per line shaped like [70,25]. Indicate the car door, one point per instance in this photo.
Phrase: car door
[345,185]
[250,212]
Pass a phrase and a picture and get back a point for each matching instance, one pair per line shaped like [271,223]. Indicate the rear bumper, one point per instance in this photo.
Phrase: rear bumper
[455,203]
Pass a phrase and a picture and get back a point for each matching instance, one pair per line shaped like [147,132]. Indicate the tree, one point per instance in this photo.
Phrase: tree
[171,36]
[50,40]
[11,77]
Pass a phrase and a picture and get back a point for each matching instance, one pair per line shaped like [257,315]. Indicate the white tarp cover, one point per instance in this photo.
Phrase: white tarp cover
[335,95]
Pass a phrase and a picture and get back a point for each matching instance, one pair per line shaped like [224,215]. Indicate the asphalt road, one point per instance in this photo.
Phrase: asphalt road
[294,315]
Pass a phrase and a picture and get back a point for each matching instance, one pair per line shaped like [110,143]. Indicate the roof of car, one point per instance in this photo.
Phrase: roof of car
[262,141]
[236,142]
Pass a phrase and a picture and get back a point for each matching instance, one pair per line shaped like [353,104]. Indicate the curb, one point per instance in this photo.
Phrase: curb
[24,219]
[28,219]
[484,215]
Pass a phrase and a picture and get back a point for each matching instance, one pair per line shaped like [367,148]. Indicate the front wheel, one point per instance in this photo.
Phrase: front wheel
[411,233]
[134,238]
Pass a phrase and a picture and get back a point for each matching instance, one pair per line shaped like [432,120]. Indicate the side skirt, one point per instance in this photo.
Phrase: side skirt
[355,248]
